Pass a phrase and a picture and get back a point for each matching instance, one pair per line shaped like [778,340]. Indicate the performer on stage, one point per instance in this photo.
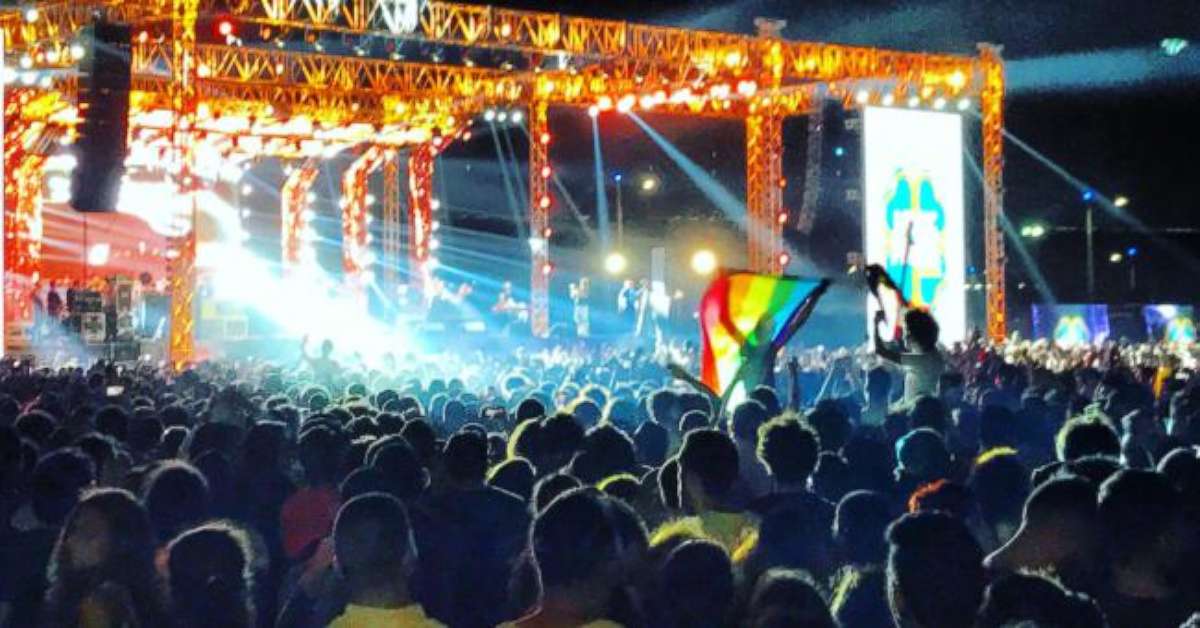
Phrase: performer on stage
[579,296]
[507,309]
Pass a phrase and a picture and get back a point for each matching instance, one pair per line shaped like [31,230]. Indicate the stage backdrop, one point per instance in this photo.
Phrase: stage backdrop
[913,170]
[1071,325]
[1172,323]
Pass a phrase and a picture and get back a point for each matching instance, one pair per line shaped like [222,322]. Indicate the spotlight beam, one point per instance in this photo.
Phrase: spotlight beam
[601,189]
[509,193]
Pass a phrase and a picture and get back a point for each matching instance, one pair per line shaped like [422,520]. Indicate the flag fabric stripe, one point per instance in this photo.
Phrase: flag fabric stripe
[741,312]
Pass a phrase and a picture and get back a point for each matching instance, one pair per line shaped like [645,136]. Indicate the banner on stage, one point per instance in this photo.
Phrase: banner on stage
[1071,325]
[1175,324]
[913,210]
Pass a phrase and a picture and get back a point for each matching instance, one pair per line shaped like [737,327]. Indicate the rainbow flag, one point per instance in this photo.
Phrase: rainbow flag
[744,315]
[889,298]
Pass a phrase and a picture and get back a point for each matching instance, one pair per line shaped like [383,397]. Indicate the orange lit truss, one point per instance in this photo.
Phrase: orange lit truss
[255,101]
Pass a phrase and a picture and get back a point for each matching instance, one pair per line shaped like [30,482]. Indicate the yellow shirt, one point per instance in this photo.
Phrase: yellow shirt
[735,531]
[371,617]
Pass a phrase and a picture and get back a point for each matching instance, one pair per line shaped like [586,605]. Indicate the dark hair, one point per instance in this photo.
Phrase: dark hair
[57,481]
[696,584]
[623,486]
[692,420]
[1000,483]
[209,577]
[768,398]
[320,450]
[922,327]
[373,539]
[831,476]
[145,433]
[1137,508]
[176,496]
[36,425]
[466,457]
[1082,437]
[747,418]
[514,475]
[936,565]
[712,457]
[930,412]
[128,563]
[859,523]
[399,465]
[1014,598]
[651,441]
[831,423]
[605,451]
[578,538]
[549,487]
[788,448]
[997,427]
[423,439]
[113,421]
[860,598]
[668,484]
[786,597]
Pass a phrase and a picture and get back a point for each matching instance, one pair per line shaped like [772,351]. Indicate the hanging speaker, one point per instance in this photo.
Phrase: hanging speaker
[103,129]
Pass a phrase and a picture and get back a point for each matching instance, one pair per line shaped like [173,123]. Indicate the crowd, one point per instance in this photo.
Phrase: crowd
[969,486]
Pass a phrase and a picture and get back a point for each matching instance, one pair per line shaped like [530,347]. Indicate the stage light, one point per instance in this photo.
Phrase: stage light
[964,104]
[838,151]
[747,88]
[615,263]
[593,111]
[26,61]
[435,204]
[501,116]
[311,197]
[546,172]
[957,80]
[784,260]
[649,183]
[1172,46]
[1089,195]
[78,51]
[625,105]
[1116,258]
[704,262]
[939,103]
[435,225]
[370,199]
[863,97]
[489,115]
[1120,201]
[547,268]
[1131,251]
[98,254]
[247,190]
[225,27]
[517,116]
[46,81]
[889,100]
[544,138]
[545,202]
[733,58]
[720,91]
[1033,231]
[31,15]
[605,103]
[52,56]
[783,218]
[434,244]
[913,101]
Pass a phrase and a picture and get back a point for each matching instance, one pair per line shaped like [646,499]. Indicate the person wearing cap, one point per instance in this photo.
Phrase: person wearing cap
[1058,533]
[921,457]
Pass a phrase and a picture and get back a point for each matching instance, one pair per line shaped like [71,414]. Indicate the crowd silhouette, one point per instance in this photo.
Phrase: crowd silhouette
[937,487]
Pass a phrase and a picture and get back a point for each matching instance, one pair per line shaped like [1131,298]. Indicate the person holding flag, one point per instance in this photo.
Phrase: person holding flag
[913,346]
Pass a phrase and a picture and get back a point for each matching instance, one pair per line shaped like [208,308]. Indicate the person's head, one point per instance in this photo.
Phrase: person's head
[1142,518]
[784,597]
[747,418]
[373,544]
[788,449]
[997,427]
[879,386]
[605,450]
[320,452]
[922,455]
[935,571]
[692,420]
[1059,531]
[106,539]
[930,412]
[514,475]
[696,585]
[466,458]
[108,532]
[831,423]
[400,466]
[176,495]
[708,469]
[1000,482]
[859,524]
[549,487]
[113,421]
[209,577]
[582,544]
[1082,437]
[58,478]
[651,440]
[920,330]
[1015,598]
[860,598]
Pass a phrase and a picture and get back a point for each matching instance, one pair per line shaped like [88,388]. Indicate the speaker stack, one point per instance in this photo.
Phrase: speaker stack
[103,129]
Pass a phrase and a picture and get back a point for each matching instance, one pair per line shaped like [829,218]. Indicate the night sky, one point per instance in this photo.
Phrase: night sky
[1124,128]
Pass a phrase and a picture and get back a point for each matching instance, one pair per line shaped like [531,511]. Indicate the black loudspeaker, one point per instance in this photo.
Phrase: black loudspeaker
[104,84]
